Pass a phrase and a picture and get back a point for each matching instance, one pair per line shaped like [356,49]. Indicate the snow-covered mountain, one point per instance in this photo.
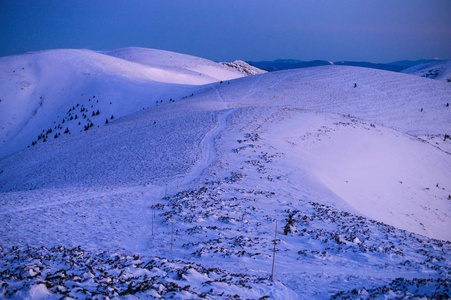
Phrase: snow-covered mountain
[244,67]
[287,64]
[47,93]
[179,63]
[411,63]
[182,199]
[440,70]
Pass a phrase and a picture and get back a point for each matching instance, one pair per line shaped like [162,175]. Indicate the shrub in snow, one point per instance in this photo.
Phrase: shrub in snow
[289,227]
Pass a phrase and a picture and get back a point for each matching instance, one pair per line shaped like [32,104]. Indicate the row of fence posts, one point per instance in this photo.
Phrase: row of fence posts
[172,220]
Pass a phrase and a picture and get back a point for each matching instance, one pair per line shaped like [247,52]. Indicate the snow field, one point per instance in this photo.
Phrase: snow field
[46,90]
[393,172]
[348,174]
[386,98]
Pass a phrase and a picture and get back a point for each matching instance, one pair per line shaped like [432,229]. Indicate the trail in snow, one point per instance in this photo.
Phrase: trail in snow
[208,150]
[139,239]
[207,146]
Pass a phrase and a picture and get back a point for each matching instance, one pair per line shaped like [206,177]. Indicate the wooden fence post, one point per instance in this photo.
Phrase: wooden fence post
[274,252]
[172,232]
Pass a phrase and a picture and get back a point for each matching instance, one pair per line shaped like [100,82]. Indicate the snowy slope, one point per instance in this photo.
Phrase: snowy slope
[356,178]
[381,173]
[377,168]
[440,70]
[181,63]
[392,99]
[38,90]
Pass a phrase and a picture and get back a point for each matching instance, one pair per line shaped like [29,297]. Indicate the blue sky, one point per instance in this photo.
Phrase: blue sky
[224,30]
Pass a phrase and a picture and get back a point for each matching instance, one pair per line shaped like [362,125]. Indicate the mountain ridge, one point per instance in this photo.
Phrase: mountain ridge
[337,174]
[286,64]
[56,83]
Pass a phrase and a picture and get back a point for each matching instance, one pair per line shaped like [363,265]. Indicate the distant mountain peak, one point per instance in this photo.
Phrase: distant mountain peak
[285,64]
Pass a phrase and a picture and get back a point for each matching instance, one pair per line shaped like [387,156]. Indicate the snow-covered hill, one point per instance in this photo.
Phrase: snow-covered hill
[48,93]
[182,199]
[180,63]
[244,67]
[440,70]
